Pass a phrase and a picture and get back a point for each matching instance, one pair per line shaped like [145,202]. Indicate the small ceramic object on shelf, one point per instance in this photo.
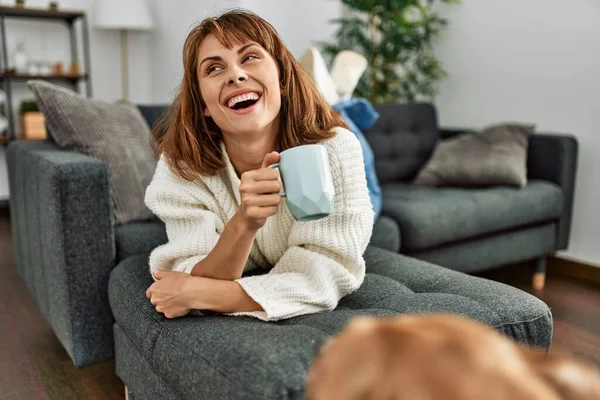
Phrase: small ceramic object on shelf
[20,3]
[45,68]
[33,68]
[20,59]
[53,5]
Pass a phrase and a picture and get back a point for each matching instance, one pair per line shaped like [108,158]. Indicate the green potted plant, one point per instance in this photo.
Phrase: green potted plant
[33,124]
[53,5]
[396,37]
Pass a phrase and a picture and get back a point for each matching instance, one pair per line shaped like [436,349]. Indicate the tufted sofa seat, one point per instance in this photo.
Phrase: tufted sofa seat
[221,357]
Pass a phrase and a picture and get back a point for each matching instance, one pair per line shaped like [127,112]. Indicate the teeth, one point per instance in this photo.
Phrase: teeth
[244,97]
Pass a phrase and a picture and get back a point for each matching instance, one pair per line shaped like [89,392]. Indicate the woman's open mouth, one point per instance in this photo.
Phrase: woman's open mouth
[244,103]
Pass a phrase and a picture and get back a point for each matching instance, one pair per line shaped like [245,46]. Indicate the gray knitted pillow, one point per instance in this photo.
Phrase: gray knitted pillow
[114,133]
[496,156]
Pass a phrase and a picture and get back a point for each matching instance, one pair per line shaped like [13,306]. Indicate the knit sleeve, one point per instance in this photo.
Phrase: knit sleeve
[192,230]
[324,259]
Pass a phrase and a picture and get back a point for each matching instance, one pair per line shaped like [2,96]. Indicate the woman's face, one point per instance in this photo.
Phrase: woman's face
[240,86]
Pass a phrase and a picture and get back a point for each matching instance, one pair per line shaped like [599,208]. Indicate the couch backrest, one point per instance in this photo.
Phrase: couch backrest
[151,112]
[402,140]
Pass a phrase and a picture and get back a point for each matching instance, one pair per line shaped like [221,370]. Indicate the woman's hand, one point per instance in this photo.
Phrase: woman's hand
[176,293]
[259,191]
[169,295]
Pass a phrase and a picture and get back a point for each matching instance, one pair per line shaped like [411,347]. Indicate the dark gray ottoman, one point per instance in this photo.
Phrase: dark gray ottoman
[224,357]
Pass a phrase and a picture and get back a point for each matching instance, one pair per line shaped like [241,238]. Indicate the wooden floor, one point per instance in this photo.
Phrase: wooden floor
[575,309]
[33,364]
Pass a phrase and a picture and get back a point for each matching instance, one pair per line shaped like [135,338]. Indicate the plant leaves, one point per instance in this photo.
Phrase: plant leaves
[398,47]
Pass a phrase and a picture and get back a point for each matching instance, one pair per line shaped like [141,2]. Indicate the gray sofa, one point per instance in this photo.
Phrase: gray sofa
[89,277]
[472,229]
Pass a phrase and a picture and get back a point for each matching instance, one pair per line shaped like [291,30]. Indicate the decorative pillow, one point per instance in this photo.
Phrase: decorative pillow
[348,67]
[496,156]
[313,63]
[360,114]
[114,133]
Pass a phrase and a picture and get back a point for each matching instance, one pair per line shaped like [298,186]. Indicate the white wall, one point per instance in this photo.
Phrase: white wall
[300,24]
[534,61]
[172,27]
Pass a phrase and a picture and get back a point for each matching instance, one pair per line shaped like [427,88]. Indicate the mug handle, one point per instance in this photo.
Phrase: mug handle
[276,165]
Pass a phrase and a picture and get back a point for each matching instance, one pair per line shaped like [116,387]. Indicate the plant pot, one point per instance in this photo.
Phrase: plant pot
[33,126]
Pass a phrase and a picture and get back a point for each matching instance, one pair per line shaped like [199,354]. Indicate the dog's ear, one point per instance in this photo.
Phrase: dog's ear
[571,378]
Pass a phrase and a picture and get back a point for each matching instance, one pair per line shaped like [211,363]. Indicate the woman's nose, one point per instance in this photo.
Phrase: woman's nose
[237,76]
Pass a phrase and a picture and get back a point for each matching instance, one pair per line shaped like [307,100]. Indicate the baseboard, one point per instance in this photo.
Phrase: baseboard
[575,269]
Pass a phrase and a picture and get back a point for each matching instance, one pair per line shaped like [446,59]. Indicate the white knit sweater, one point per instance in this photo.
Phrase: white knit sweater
[308,266]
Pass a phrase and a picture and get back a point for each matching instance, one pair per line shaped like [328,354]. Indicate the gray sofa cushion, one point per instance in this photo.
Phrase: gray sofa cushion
[430,216]
[143,236]
[402,140]
[496,156]
[114,133]
[386,234]
[139,237]
[244,358]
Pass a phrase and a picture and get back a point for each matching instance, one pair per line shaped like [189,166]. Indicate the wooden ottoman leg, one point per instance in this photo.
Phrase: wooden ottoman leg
[539,275]
[126,393]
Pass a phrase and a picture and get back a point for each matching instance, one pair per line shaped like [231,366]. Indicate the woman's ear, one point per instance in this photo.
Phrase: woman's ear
[206,112]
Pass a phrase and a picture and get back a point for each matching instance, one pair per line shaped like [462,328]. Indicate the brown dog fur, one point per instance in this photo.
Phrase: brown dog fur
[441,357]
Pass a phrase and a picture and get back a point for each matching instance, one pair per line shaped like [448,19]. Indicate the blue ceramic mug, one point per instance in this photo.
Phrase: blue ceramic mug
[307,181]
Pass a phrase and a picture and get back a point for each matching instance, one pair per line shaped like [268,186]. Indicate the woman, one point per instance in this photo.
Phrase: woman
[233,246]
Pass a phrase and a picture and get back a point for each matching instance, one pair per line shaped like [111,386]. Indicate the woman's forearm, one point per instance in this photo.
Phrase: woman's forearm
[228,258]
[222,296]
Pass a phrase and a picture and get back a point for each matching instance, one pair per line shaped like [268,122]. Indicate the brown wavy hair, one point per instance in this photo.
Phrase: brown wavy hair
[190,141]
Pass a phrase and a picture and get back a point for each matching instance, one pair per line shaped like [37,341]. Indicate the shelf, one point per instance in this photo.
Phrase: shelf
[5,141]
[40,13]
[24,77]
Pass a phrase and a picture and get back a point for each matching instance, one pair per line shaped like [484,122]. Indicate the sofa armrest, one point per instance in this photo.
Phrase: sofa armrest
[554,158]
[62,218]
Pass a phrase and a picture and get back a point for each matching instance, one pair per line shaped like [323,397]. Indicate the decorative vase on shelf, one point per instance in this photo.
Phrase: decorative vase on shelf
[20,59]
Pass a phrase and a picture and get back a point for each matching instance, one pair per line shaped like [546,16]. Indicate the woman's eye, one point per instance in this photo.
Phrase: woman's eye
[250,57]
[213,68]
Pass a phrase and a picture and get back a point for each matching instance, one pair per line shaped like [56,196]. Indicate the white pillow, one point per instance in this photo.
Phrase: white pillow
[313,63]
[348,66]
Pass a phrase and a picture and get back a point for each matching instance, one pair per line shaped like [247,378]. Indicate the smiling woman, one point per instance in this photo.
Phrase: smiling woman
[233,54]
[243,99]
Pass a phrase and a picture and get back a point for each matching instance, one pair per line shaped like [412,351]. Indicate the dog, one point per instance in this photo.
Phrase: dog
[445,357]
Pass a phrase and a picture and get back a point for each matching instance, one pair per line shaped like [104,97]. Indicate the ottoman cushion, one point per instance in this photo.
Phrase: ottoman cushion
[237,357]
